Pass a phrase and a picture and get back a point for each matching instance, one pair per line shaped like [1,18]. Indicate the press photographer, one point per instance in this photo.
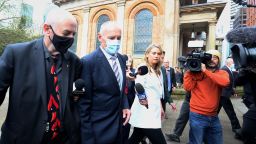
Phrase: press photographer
[244,55]
[204,105]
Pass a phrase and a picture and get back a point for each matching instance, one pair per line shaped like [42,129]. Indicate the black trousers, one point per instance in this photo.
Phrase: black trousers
[225,102]
[182,119]
[249,127]
[126,131]
[154,135]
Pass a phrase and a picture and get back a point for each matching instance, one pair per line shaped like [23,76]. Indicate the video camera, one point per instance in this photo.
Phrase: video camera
[243,48]
[194,59]
[244,56]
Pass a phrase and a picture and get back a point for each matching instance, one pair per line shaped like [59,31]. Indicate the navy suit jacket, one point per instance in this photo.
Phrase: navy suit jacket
[228,91]
[22,69]
[101,107]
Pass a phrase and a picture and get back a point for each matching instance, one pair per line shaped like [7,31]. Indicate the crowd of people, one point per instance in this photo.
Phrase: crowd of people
[43,110]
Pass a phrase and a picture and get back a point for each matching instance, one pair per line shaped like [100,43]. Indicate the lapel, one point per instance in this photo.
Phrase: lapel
[64,77]
[103,62]
[39,67]
[122,64]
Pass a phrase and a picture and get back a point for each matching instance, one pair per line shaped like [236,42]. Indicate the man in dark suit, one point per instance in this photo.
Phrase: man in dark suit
[225,101]
[40,76]
[169,84]
[105,107]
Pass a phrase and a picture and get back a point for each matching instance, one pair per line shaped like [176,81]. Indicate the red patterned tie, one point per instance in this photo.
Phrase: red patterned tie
[53,104]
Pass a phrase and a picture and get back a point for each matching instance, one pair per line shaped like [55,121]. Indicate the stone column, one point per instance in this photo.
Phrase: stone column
[120,19]
[171,30]
[211,36]
[84,42]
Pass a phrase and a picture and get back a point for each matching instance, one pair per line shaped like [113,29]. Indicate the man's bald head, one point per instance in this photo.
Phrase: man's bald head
[109,26]
[229,61]
[57,16]
[109,30]
[61,24]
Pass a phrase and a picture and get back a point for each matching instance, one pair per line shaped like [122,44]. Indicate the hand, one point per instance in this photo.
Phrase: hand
[128,76]
[76,98]
[173,106]
[144,102]
[173,88]
[203,67]
[162,113]
[126,115]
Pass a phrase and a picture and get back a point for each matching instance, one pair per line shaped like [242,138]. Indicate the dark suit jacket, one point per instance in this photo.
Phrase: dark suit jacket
[228,91]
[22,69]
[167,95]
[101,108]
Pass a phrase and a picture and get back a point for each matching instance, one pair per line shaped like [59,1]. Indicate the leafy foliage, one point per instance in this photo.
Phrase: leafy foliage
[9,36]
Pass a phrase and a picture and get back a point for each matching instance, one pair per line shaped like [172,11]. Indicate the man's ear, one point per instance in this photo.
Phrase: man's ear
[46,29]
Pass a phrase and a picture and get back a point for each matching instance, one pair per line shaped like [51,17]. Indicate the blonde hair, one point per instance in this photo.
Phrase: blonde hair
[159,64]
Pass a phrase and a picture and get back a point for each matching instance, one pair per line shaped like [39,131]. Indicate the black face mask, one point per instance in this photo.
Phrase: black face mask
[61,43]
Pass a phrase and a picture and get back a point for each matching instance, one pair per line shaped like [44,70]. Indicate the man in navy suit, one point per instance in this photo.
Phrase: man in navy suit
[40,76]
[225,101]
[104,109]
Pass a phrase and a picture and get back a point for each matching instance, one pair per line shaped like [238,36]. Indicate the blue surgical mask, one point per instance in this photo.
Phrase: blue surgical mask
[232,67]
[112,46]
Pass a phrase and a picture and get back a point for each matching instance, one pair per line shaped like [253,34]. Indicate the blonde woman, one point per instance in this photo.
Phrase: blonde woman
[147,121]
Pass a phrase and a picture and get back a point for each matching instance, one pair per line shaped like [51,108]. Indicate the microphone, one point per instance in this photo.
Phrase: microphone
[125,57]
[141,93]
[79,91]
[142,70]
[244,35]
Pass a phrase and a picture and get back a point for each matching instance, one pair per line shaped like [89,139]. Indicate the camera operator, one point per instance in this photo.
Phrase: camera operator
[244,55]
[247,80]
[205,87]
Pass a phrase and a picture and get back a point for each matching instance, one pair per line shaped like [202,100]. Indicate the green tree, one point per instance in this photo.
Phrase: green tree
[9,36]
[8,11]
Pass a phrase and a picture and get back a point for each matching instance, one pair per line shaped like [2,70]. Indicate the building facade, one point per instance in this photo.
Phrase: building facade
[166,22]
[251,13]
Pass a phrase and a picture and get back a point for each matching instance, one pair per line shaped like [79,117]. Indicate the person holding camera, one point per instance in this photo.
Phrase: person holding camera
[247,78]
[205,87]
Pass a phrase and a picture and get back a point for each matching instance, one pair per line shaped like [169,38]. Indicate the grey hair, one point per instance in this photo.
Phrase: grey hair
[57,15]
[108,25]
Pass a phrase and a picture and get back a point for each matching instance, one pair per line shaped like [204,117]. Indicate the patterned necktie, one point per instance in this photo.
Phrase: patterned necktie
[53,104]
[115,69]
[168,80]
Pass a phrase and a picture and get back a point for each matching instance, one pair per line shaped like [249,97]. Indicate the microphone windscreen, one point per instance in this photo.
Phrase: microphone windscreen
[242,35]
[79,84]
[142,70]
[125,57]
[139,88]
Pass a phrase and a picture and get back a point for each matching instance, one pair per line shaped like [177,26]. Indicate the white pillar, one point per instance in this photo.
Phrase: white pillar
[120,20]
[171,30]
[84,39]
[211,36]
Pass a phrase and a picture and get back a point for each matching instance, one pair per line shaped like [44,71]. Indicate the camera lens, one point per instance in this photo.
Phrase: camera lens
[194,65]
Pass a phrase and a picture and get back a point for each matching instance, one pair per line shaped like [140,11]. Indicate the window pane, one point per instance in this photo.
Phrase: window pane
[101,20]
[143,31]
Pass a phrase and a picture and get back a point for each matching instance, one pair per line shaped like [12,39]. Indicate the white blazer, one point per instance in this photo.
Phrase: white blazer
[142,117]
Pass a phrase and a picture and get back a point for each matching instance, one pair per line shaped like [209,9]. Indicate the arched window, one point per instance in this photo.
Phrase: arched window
[101,20]
[143,31]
